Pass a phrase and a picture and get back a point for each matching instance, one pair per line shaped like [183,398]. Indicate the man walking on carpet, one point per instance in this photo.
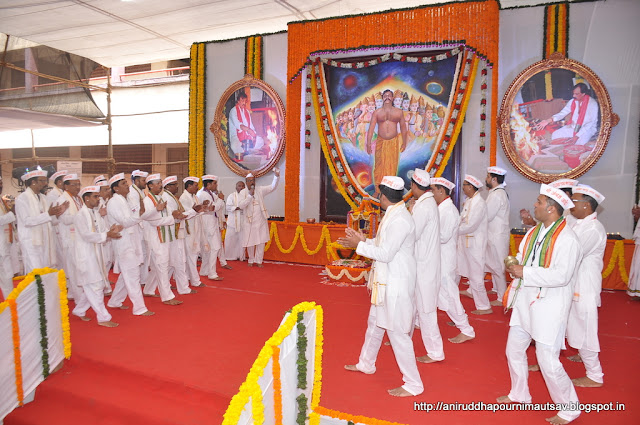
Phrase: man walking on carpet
[392,282]
[540,296]
[498,227]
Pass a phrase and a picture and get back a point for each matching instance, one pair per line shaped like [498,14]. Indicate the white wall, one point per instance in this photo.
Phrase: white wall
[225,65]
[604,36]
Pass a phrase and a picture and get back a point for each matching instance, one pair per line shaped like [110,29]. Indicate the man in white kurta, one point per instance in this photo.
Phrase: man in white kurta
[634,275]
[194,240]
[581,117]
[582,328]
[472,243]
[135,196]
[449,295]
[255,232]
[7,218]
[88,253]
[67,235]
[235,219]
[540,296]
[158,221]
[241,130]
[104,226]
[393,284]
[34,217]
[57,188]
[498,210]
[210,226]
[427,255]
[180,228]
[127,249]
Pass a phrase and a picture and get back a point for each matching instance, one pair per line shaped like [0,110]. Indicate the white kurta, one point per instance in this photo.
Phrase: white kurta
[427,255]
[88,246]
[582,328]
[177,252]
[212,234]
[67,235]
[52,197]
[394,267]
[589,125]
[449,295]
[235,219]
[540,311]
[194,240]
[7,218]
[256,225]
[634,275]
[134,197]
[234,127]
[35,231]
[472,244]
[158,233]
[128,254]
[542,304]
[498,244]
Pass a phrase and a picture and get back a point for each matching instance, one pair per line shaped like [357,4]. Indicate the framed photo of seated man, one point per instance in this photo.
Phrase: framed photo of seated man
[555,120]
[249,127]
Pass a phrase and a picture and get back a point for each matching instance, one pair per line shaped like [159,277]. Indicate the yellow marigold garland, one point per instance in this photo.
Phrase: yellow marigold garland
[197,98]
[319,350]
[325,239]
[617,256]
[64,314]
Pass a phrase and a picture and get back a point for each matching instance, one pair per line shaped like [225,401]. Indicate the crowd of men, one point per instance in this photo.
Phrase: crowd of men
[423,247]
[142,230]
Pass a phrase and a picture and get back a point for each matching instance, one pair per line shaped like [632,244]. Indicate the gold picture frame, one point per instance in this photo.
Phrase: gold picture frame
[249,133]
[539,143]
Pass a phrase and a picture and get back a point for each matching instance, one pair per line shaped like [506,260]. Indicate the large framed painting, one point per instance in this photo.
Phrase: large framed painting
[555,120]
[249,128]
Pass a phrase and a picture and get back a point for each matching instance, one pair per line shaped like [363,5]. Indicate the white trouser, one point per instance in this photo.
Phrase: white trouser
[6,275]
[256,253]
[478,290]
[191,261]
[209,260]
[222,256]
[72,274]
[499,281]
[449,301]
[128,283]
[233,244]
[144,267]
[558,383]
[402,349]
[430,332]
[178,264]
[567,131]
[158,277]
[591,362]
[95,298]
[16,259]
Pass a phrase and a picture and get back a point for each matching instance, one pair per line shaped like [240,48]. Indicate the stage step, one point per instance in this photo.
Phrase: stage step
[118,396]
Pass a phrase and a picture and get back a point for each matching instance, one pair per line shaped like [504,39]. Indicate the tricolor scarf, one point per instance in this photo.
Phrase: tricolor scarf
[546,247]
[243,135]
[582,111]
[181,209]
[162,230]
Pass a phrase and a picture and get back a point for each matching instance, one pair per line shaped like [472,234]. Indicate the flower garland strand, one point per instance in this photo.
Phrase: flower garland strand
[277,386]
[307,110]
[197,106]
[325,240]
[483,105]
[44,340]
[556,30]
[353,418]
[317,360]
[17,355]
[64,314]
[301,345]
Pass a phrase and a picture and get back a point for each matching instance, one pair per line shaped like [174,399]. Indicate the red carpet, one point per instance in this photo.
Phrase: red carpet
[183,365]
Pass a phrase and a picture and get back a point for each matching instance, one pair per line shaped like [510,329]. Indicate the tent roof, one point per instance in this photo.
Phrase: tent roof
[129,32]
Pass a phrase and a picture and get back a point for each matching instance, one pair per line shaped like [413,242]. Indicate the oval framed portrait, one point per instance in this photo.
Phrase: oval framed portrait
[555,120]
[248,127]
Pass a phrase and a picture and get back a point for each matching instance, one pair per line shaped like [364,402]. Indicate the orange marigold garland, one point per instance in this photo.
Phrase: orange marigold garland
[17,355]
[277,386]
